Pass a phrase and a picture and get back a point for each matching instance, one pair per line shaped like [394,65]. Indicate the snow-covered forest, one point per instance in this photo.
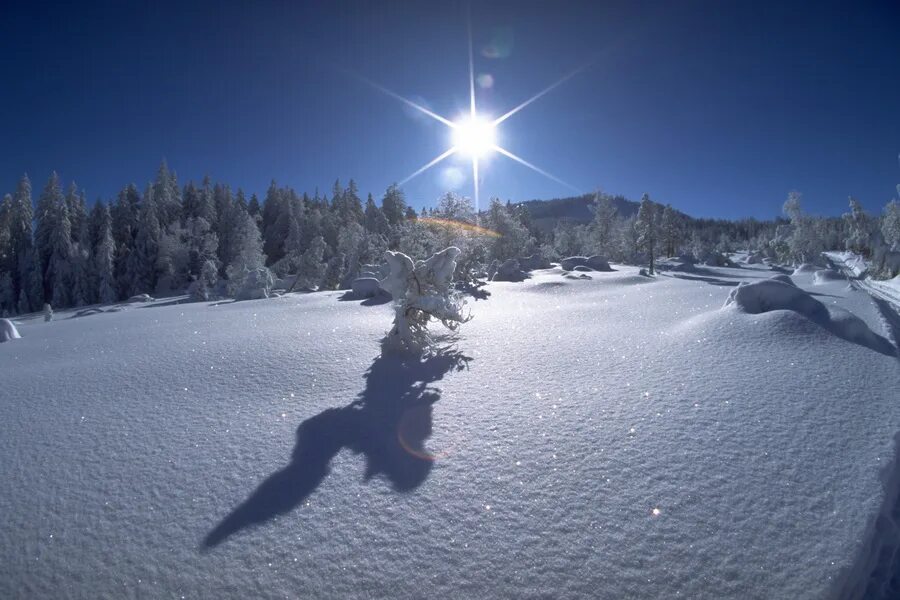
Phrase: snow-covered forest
[210,241]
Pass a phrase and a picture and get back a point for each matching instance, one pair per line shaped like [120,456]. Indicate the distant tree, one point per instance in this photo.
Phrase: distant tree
[375,219]
[394,205]
[890,225]
[859,234]
[646,228]
[669,230]
[602,225]
[104,257]
[249,257]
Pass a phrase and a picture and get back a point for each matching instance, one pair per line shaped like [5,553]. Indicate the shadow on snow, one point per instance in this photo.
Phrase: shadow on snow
[388,423]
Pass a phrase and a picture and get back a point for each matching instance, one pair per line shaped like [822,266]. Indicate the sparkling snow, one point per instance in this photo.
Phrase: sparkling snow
[622,436]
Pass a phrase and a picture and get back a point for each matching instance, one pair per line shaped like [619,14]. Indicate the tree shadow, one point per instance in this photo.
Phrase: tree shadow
[378,299]
[891,321]
[710,280]
[388,423]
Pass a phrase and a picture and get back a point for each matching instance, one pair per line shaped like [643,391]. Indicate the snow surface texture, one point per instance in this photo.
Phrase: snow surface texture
[620,437]
[8,331]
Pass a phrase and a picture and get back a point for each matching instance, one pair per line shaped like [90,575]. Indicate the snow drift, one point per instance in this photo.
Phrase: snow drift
[8,331]
[774,294]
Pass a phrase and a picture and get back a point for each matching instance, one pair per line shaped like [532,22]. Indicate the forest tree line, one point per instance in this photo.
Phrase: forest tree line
[211,241]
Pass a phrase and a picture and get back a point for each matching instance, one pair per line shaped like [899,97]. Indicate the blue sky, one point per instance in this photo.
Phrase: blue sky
[719,108]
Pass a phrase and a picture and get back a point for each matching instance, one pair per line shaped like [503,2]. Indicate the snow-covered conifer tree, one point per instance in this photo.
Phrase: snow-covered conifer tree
[104,256]
[249,257]
[422,291]
[890,224]
[859,234]
[646,229]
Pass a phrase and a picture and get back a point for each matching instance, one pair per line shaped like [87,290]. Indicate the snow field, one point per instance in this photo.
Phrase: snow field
[603,439]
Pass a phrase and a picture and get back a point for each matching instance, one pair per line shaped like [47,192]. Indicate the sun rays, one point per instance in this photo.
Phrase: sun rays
[474,136]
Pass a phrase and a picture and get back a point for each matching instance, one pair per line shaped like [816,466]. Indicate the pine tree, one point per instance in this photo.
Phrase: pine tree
[141,268]
[394,205]
[669,230]
[249,255]
[859,229]
[104,257]
[375,219]
[890,225]
[602,224]
[21,242]
[312,268]
[646,229]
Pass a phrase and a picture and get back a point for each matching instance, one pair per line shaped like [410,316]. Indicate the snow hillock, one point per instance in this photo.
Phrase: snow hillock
[8,331]
[774,294]
[826,276]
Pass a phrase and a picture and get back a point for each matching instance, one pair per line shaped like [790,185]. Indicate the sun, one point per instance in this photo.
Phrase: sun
[474,137]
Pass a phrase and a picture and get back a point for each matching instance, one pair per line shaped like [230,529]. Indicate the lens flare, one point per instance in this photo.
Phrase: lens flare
[460,225]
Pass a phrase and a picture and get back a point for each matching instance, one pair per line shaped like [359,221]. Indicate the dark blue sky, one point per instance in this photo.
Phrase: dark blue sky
[719,108]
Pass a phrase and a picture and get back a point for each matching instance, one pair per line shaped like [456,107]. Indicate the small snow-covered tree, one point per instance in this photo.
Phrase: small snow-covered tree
[249,256]
[202,287]
[859,234]
[311,269]
[422,291]
[334,272]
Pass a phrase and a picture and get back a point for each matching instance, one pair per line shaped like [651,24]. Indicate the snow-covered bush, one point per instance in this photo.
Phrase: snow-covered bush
[255,284]
[203,287]
[8,331]
[422,291]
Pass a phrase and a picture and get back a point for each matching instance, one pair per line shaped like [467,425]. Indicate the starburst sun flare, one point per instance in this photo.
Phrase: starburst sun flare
[473,135]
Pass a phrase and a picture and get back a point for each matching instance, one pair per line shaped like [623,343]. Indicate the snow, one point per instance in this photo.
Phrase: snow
[584,439]
[8,331]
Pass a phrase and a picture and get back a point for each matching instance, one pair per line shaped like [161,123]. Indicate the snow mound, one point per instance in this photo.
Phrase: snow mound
[578,276]
[141,298]
[770,295]
[826,276]
[8,331]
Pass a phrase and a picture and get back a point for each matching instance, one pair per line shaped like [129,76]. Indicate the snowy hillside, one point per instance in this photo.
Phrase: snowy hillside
[618,437]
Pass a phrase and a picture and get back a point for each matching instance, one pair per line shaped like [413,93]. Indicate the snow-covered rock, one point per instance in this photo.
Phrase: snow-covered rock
[8,331]
[509,270]
[596,263]
[365,287]
[141,298]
